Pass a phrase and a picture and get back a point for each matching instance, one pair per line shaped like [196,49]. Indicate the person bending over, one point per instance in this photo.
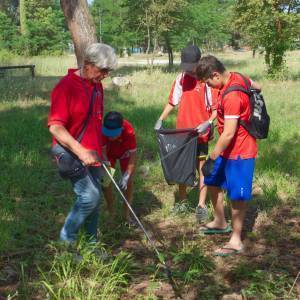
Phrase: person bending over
[119,144]
[196,108]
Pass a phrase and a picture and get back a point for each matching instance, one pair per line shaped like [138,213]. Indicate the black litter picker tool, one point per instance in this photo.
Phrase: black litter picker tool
[158,254]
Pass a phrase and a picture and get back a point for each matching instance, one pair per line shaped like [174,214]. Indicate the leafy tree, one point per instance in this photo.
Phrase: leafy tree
[46,33]
[8,31]
[156,19]
[109,17]
[205,24]
[10,8]
[45,28]
[270,24]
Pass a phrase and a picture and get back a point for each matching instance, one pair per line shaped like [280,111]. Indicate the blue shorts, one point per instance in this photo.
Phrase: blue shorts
[233,175]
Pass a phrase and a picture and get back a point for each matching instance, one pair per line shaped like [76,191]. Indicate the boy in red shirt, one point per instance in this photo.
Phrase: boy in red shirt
[119,143]
[230,165]
[195,103]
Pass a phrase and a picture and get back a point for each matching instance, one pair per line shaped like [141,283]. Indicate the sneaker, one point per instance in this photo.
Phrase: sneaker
[180,208]
[102,254]
[201,214]
[77,257]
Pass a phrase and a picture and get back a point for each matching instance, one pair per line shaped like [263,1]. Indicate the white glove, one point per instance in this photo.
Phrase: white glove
[124,181]
[203,127]
[158,124]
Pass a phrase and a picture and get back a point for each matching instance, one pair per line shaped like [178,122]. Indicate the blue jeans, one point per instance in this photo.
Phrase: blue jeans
[85,211]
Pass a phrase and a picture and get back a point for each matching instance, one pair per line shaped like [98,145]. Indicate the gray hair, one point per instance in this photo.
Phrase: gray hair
[101,55]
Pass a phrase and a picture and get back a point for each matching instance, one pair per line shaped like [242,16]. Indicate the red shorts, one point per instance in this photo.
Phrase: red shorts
[123,163]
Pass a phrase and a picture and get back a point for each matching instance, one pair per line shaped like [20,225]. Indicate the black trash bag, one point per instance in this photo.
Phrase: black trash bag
[178,154]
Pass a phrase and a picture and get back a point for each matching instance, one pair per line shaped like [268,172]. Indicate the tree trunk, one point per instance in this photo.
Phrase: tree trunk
[154,49]
[170,51]
[267,58]
[148,36]
[80,25]
[148,43]
[23,23]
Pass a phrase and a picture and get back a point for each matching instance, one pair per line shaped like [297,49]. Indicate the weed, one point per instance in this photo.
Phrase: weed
[191,263]
[86,278]
[266,285]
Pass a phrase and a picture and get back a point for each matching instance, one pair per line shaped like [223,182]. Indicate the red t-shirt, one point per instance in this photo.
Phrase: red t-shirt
[122,147]
[70,105]
[196,102]
[236,105]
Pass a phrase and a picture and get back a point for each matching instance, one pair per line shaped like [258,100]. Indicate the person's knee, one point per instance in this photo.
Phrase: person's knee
[90,198]
[95,196]
[238,204]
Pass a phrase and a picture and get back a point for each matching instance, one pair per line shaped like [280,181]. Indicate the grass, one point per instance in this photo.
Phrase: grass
[34,201]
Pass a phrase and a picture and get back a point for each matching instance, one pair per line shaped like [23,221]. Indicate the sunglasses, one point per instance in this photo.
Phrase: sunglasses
[105,70]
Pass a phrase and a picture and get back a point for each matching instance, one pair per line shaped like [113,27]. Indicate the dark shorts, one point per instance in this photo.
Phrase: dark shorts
[202,150]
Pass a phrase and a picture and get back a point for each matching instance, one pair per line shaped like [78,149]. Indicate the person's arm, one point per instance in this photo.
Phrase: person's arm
[62,135]
[105,157]
[174,99]
[230,127]
[168,108]
[255,85]
[131,163]
[129,172]
[213,116]
[203,127]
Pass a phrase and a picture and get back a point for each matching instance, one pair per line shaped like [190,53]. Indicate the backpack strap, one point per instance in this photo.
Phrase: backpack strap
[236,88]
[91,100]
[208,98]
[245,80]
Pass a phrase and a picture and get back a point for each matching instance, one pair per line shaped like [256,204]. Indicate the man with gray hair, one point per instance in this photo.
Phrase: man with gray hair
[75,122]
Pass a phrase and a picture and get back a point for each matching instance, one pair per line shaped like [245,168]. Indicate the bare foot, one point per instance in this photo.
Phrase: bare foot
[214,224]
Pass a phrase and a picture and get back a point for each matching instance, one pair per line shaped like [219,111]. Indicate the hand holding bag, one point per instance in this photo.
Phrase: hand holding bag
[69,165]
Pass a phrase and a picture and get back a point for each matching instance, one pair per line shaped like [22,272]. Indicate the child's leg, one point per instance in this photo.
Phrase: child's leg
[109,197]
[182,192]
[202,186]
[239,177]
[217,197]
[215,182]
[238,210]
[202,151]
[239,174]
[128,195]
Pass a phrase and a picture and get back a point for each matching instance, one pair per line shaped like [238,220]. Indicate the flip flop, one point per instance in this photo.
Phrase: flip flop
[229,252]
[213,230]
